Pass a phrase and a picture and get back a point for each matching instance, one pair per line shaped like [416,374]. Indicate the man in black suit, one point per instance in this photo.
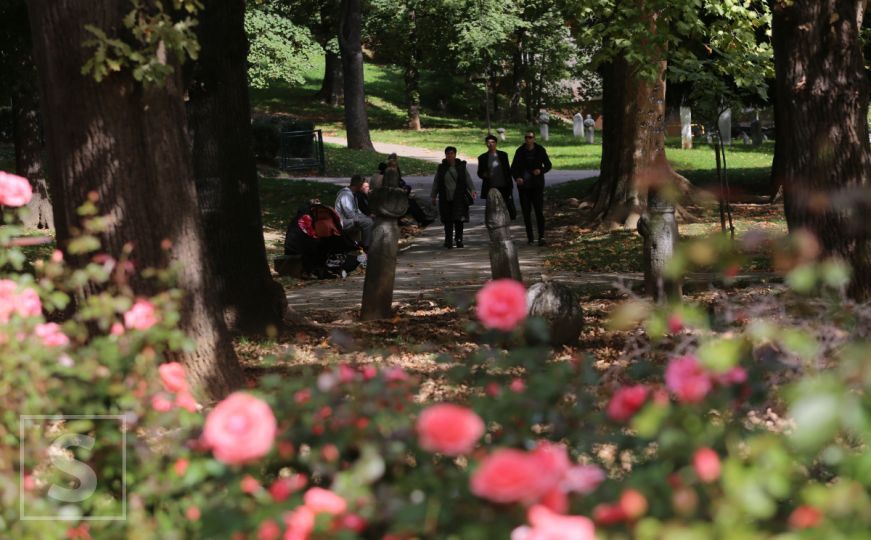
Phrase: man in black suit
[528,167]
[494,170]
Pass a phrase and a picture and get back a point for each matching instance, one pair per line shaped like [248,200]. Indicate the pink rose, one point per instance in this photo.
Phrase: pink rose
[548,525]
[117,329]
[249,484]
[141,316]
[27,304]
[449,429]
[555,500]
[283,487]
[51,335]
[269,530]
[736,375]
[501,304]
[626,402]
[299,523]
[517,385]
[805,517]
[320,500]
[187,402]
[173,378]
[633,503]
[706,463]
[161,403]
[240,429]
[507,476]
[583,479]
[14,190]
[687,379]
[180,466]
[553,463]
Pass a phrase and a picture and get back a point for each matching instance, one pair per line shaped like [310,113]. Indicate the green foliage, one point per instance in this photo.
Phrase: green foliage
[279,50]
[157,34]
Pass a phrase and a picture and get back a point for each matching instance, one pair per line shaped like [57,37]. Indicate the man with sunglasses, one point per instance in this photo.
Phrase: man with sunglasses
[528,167]
[494,170]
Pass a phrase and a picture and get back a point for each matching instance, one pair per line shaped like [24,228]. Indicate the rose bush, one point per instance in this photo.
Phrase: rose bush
[737,426]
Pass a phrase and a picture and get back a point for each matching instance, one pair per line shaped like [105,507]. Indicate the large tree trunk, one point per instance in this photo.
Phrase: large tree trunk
[356,121]
[331,91]
[824,159]
[27,133]
[219,116]
[412,73]
[126,144]
[633,145]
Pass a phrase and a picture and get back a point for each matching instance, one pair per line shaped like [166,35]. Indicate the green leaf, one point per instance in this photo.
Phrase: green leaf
[721,355]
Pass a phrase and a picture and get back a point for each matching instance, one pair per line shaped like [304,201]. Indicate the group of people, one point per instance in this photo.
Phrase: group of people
[453,192]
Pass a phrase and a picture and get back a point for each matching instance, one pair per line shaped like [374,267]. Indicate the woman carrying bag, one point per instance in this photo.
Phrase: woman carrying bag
[454,190]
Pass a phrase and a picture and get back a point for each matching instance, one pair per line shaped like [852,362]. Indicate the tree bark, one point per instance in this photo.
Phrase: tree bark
[356,120]
[824,159]
[27,133]
[125,145]
[412,73]
[331,91]
[633,145]
[219,116]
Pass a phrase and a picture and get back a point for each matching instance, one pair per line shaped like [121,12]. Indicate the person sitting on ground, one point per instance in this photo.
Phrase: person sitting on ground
[455,192]
[352,218]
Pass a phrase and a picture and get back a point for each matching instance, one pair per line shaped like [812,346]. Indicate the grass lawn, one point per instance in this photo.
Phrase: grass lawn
[343,161]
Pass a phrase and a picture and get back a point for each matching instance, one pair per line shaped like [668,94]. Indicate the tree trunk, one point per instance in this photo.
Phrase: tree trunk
[633,145]
[219,116]
[517,81]
[412,74]
[356,121]
[824,159]
[124,144]
[331,91]
[29,146]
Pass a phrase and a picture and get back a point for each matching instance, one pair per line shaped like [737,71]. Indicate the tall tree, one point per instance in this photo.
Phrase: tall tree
[332,88]
[16,67]
[123,140]
[412,73]
[824,159]
[356,119]
[219,116]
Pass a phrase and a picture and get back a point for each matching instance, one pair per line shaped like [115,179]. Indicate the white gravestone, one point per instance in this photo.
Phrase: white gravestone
[745,138]
[543,120]
[725,123]
[578,125]
[590,127]
[686,128]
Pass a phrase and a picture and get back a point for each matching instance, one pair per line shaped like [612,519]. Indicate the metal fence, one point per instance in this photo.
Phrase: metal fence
[301,150]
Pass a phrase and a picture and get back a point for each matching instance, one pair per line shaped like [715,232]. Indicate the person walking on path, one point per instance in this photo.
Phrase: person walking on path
[455,191]
[528,167]
[494,170]
[352,218]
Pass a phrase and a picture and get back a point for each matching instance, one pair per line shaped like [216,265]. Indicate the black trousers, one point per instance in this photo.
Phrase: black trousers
[453,230]
[532,198]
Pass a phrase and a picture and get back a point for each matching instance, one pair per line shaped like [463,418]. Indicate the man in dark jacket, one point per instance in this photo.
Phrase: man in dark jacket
[454,190]
[528,167]
[495,172]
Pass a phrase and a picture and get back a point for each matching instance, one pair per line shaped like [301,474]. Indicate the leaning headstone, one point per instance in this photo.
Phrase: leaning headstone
[578,125]
[659,229]
[590,127]
[686,128]
[389,203]
[543,120]
[560,307]
[725,124]
[501,132]
[503,253]
[745,138]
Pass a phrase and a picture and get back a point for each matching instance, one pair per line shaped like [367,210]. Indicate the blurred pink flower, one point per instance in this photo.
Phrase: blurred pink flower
[320,500]
[161,403]
[627,401]
[805,517]
[269,530]
[240,429]
[51,335]
[187,402]
[706,463]
[249,484]
[687,379]
[501,304]
[28,304]
[173,377]
[180,466]
[507,476]
[14,190]
[553,462]
[583,479]
[517,385]
[141,316]
[547,525]
[299,523]
[283,487]
[449,429]
[736,375]
[117,329]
